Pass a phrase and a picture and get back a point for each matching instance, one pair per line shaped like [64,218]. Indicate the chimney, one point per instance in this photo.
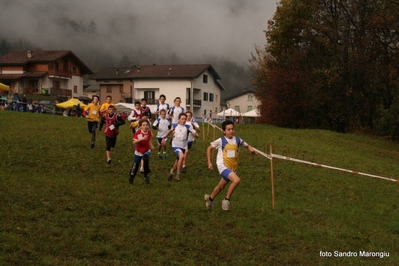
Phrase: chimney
[29,54]
[169,70]
[138,69]
[116,72]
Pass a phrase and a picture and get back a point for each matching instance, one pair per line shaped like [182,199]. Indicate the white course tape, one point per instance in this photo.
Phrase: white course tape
[331,167]
[263,154]
[270,157]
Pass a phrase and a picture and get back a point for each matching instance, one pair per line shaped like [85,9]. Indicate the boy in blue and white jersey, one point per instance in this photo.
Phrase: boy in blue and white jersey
[162,124]
[176,110]
[179,143]
[190,140]
[228,148]
[162,105]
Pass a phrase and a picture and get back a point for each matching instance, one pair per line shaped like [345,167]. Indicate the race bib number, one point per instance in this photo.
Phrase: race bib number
[139,136]
[231,153]
[111,127]
[94,112]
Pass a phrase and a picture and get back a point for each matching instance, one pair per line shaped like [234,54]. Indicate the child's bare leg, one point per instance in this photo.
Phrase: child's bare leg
[235,181]
[218,188]
[173,167]
[141,166]
[180,162]
[108,153]
[185,158]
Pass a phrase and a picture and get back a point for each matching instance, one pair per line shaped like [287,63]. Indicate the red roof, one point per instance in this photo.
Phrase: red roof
[22,58]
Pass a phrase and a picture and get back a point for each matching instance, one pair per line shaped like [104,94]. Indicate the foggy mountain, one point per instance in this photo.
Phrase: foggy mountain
[139,32]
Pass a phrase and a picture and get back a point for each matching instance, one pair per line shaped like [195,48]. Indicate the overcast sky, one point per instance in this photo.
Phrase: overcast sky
[186,28]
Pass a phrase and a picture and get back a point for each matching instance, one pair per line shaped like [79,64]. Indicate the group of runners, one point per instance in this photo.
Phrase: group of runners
[175,126]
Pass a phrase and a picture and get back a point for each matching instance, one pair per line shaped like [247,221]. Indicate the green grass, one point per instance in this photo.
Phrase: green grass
[61,204]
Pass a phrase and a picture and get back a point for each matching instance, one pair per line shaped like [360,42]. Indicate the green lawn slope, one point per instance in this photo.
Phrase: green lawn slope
[61,204]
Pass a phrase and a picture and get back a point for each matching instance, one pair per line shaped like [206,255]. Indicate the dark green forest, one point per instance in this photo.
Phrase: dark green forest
[331,64]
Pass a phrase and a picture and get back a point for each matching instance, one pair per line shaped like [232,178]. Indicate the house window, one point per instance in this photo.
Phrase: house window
[74,71]
[216,98]
[216,109]
[205,112]
[205,78]
[121,89]
[237,108]
[249,108]
[250,97]
[211,97]
[75,89]
[109,89]
[205,96]
[149,95]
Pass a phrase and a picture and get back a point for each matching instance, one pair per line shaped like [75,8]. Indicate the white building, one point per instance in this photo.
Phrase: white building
[150,81]
[243,102]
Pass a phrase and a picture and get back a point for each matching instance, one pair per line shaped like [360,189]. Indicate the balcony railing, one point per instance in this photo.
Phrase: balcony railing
[59,74]
[196,103]
[58,92]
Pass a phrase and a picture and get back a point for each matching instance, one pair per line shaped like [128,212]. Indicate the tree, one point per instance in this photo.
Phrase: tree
[346,49]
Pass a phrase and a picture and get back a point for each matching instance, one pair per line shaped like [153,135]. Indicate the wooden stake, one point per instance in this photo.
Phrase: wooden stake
[203,129]
[214,133]
[272,176]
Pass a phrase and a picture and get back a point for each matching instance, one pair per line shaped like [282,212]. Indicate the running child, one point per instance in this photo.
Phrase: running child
[190,139]
[144,108]
[176,110]
[162,105]
[104,106]
[162,124]
[228,147]
[142,141]
[134,117]
[93,117]
[112,122]
[144,116]
[179,143]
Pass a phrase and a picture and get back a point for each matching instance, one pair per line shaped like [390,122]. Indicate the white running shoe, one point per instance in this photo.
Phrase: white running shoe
[226,205]
[208,203]
[141,169]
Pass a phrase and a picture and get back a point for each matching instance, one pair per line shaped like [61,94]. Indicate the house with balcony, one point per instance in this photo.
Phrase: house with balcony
[57,73]
[243,102]
[197,85]
[115,82]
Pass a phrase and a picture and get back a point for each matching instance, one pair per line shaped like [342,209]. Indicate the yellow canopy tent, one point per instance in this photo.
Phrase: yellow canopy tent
[71,103]
[4,87]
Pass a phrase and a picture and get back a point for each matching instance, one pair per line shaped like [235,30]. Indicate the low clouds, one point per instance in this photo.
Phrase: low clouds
[187,29]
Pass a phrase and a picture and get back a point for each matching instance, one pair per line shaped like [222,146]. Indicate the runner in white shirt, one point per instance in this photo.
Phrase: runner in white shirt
[162,105]
[179,143]
[162,124]
[176,110]
[190,139]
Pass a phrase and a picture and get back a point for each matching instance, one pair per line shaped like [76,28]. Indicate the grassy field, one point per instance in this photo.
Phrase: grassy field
[61,204]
